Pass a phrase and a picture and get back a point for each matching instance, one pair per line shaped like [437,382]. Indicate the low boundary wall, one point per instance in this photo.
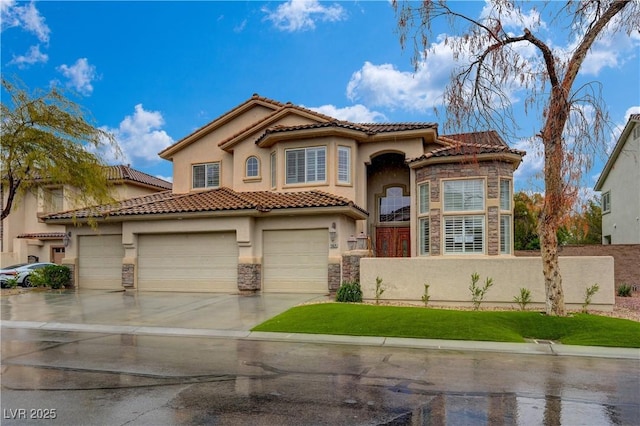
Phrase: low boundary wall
[449,280]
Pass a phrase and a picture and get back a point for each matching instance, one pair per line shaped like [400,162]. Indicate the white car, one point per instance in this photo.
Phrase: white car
[21,272]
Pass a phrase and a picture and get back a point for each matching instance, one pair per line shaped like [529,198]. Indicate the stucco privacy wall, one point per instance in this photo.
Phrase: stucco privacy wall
[449,279]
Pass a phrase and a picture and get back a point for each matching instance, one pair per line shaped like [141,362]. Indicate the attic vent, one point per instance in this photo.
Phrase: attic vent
[636,132]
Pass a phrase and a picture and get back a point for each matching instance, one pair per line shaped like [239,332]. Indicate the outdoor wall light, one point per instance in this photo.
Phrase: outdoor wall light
[333,232]
[362,241]
[66,240]
[351,242]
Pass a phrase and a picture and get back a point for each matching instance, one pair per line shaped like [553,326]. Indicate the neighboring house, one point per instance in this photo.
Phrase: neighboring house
[26,238]
[271,196]
[619,184]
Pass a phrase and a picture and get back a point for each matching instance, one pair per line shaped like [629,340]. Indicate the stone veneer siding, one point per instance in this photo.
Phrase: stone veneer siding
[334,277]
[72,268]
[249,276]
[492,171]
[128,275]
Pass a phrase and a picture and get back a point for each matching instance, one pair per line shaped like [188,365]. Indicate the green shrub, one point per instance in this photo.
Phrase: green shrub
[477,293]
[349,292]
[524,299]
[55,276]
[590,291]
[12,282]
[37,278]
[425,296]
[379,289]
[624,290]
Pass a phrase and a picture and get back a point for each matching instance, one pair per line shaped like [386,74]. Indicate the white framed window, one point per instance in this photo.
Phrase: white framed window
[606,202]
[464,234]
[423,218]
[505,194]
[273,169]
[344,164]
[252,167]
[206,175]
[306,165]
[394,206]
[463,195]
[505,234]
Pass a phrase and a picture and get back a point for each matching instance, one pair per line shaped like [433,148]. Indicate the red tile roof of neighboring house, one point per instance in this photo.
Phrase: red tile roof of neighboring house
[126,173]
[215,200]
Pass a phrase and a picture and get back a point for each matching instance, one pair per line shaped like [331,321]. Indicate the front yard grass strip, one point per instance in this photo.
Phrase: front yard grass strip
[427,323]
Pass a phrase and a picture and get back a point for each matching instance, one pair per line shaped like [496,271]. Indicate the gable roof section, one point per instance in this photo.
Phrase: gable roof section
[470,145]
[277,107]
[212,201]
[622,140]
[121,173]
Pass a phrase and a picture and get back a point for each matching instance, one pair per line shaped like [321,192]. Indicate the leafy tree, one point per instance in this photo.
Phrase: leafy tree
[525,220]
[585,226]
[47,140]
[572,118]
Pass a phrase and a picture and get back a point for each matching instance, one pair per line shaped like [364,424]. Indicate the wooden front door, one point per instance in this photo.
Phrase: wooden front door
[393,242]
[57,254]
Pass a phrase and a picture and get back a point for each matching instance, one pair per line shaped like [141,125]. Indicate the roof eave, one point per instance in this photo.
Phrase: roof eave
[512,158]
[622,140]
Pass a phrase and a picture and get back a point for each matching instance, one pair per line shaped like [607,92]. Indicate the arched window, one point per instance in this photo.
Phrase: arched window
[252,167]
[394,206]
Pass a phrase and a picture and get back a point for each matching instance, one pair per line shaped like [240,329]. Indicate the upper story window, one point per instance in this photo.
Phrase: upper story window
[206,175]
[273,170]
[394,206]
[252,167]
[505,216]
[463,195]
[505,194]
[306,165]
[606,202]
[344,164]
[52,200]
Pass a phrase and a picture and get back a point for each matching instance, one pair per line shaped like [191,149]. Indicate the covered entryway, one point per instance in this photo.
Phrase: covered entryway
[205,262]
[296,261]
[100,262]
[393,242]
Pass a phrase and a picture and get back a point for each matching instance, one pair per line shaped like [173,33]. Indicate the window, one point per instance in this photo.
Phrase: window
[423,218]
[53,200]
[306,165]
[252,168]
[606,202]
[273,169]
[463,195]
[505,234]
[464,234]
[394,206]
[206,175]
[505,194]
[344,164]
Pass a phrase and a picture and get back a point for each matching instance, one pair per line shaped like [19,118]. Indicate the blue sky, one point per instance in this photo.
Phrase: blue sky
[152,72]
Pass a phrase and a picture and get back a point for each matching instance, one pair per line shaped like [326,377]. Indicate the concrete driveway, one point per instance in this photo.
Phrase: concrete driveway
[149,309]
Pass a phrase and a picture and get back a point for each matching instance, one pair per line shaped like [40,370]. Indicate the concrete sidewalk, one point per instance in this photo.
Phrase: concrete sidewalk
[222,316]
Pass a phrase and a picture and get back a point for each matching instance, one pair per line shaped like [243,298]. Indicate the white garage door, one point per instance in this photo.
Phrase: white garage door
[188,262]
[100,262]
[296,261]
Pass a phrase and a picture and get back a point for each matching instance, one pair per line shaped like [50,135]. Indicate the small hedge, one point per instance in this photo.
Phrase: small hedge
[349,292]
[54,276]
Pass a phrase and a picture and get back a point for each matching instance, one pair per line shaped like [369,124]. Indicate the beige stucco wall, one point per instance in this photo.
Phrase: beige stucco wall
[449,279]
[622,223]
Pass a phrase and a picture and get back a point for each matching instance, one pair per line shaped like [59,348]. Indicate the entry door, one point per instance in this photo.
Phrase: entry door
[57,254]
[393,242]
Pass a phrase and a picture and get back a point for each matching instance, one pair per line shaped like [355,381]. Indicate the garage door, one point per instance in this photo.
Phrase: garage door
[188,262]
[100,262]
[296,261]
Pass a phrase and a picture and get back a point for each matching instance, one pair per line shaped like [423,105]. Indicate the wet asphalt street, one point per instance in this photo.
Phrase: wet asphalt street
[100,358]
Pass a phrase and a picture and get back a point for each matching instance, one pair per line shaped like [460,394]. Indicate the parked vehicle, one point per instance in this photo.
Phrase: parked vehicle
[21,272]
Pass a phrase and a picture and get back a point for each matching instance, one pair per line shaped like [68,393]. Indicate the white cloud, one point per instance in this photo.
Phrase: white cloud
[80,75]
[167,178]
[140,135]
[530,170]
[33,56]
[301,15]
[26,17]
[356,113]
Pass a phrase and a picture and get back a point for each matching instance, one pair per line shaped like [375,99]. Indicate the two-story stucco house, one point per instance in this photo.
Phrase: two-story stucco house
[619,184]
[271,196]
[25,237]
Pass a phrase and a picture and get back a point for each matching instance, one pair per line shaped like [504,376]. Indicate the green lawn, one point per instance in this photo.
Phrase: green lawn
[497,326]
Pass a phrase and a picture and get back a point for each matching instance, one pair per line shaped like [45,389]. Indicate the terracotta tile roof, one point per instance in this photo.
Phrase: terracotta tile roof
[126,173]
[43,236]
[634,117]
[215,200]
[490,137]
